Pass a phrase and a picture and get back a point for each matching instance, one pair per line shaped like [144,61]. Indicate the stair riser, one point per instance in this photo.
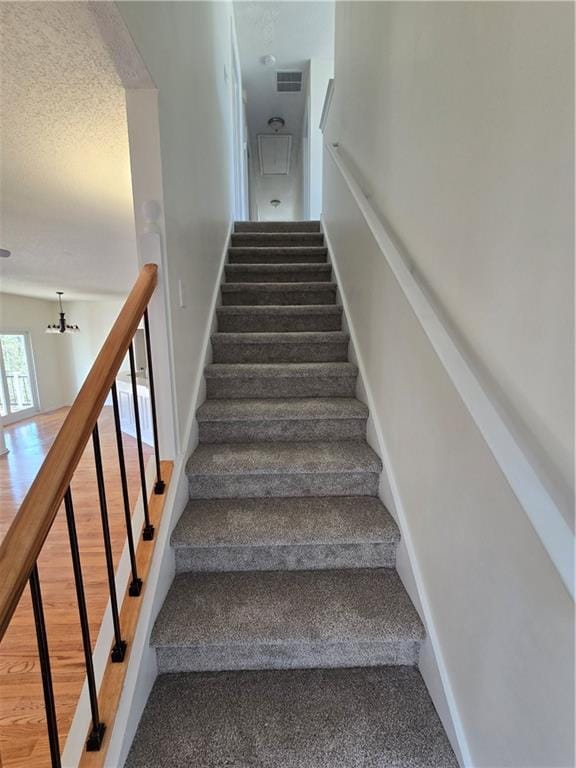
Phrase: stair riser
[277,226]
[287,655]
[279,240]
[303,557]
[287,485]
[276,323]
[317,275]
[293,352]
[277,255]
[292,430]
[247,296]
[265,387]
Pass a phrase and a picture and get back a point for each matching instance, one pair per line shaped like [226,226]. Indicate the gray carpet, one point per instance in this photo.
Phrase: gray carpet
[287,639]
[341,718]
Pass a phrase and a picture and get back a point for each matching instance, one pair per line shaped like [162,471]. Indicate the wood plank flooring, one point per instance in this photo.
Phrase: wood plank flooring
[23,739]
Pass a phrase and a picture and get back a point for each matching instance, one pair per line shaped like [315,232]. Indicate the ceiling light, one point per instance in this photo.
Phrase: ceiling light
[4,253]
[276,123]
[62,326]
[275,203]
[268,60]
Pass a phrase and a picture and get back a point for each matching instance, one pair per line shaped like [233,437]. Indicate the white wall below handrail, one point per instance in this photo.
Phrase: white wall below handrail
[541,509]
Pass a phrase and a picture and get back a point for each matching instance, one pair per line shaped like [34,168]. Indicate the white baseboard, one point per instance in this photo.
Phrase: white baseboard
[433,669]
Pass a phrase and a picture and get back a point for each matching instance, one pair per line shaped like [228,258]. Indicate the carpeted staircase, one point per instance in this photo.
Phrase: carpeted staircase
[287,639]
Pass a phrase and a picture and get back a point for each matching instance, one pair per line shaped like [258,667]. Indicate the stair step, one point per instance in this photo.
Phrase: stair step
[290,419]
[281,380]
[279,294]
[303,347]
[317,317]
[312,718]
[278,273]
[285,534]
[286,620]
[271,255]
[277,226]
[262,239]
[246,470]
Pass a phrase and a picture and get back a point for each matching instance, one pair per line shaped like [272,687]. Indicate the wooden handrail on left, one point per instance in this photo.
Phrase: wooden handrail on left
[25,538]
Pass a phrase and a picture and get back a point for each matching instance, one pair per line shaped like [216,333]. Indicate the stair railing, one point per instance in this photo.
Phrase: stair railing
[25,538]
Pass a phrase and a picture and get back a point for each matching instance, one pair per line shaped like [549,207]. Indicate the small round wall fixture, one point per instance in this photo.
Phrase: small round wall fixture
[275,202]
[268,61]
[5,253]
[276,123]
[62,326]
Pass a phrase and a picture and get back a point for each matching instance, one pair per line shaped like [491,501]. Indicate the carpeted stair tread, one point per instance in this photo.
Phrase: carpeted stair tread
[311,254]
[313,718]
[273,380]
[233,522]
[279,319]
[298,409]
[284,619]
[277,226]
[278,239]
[280,458]
[296,347]
[285,534]
[322,292]
[278,273]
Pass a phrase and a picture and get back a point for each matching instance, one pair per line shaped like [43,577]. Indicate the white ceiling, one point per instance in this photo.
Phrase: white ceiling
[66,198]
[293,32]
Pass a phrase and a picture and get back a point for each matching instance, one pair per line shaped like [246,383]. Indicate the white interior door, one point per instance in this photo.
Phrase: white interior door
[18,390]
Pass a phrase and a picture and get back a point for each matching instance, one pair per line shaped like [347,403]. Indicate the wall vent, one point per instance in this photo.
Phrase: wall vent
[288,82]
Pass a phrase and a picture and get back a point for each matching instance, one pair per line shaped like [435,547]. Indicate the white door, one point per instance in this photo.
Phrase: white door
[18,390]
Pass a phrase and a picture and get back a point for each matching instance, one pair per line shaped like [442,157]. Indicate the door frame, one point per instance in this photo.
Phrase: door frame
[239,139]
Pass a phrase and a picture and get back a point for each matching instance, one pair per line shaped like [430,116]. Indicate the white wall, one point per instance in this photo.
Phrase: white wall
[457,119]
[95,319]
[186,48]
[20,313]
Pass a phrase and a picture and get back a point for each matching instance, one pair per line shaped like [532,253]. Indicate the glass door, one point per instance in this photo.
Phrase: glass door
[18,397]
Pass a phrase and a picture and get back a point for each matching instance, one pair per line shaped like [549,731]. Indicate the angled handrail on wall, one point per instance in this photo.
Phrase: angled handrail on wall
[25,538]
[541,509]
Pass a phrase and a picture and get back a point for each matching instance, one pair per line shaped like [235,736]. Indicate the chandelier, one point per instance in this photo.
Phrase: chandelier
[62,326]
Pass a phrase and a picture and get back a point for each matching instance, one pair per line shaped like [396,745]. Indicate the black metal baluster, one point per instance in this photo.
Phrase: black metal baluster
[119,648]
[97,734]
[160,484]
[44,656]
[148,532]
[136,584]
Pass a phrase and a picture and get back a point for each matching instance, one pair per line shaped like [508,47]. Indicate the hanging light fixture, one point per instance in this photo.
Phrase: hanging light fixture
[276,123]
[62,326]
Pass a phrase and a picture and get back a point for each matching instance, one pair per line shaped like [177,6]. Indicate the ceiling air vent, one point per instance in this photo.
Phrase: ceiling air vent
[288,82]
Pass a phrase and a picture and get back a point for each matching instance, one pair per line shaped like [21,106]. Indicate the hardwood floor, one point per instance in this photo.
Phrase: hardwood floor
[23,739]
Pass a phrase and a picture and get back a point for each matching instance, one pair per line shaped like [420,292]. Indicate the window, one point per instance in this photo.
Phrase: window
[17,382]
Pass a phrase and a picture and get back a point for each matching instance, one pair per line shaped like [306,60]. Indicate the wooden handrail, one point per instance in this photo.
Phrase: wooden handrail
[25,537]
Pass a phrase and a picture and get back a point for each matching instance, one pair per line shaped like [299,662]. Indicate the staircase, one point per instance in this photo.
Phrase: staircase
[287,639]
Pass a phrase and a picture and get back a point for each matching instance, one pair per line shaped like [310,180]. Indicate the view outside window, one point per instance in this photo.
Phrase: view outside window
[17,386]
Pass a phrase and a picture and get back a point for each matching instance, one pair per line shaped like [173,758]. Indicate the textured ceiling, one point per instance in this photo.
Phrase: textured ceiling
[66,198]
[294,32]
